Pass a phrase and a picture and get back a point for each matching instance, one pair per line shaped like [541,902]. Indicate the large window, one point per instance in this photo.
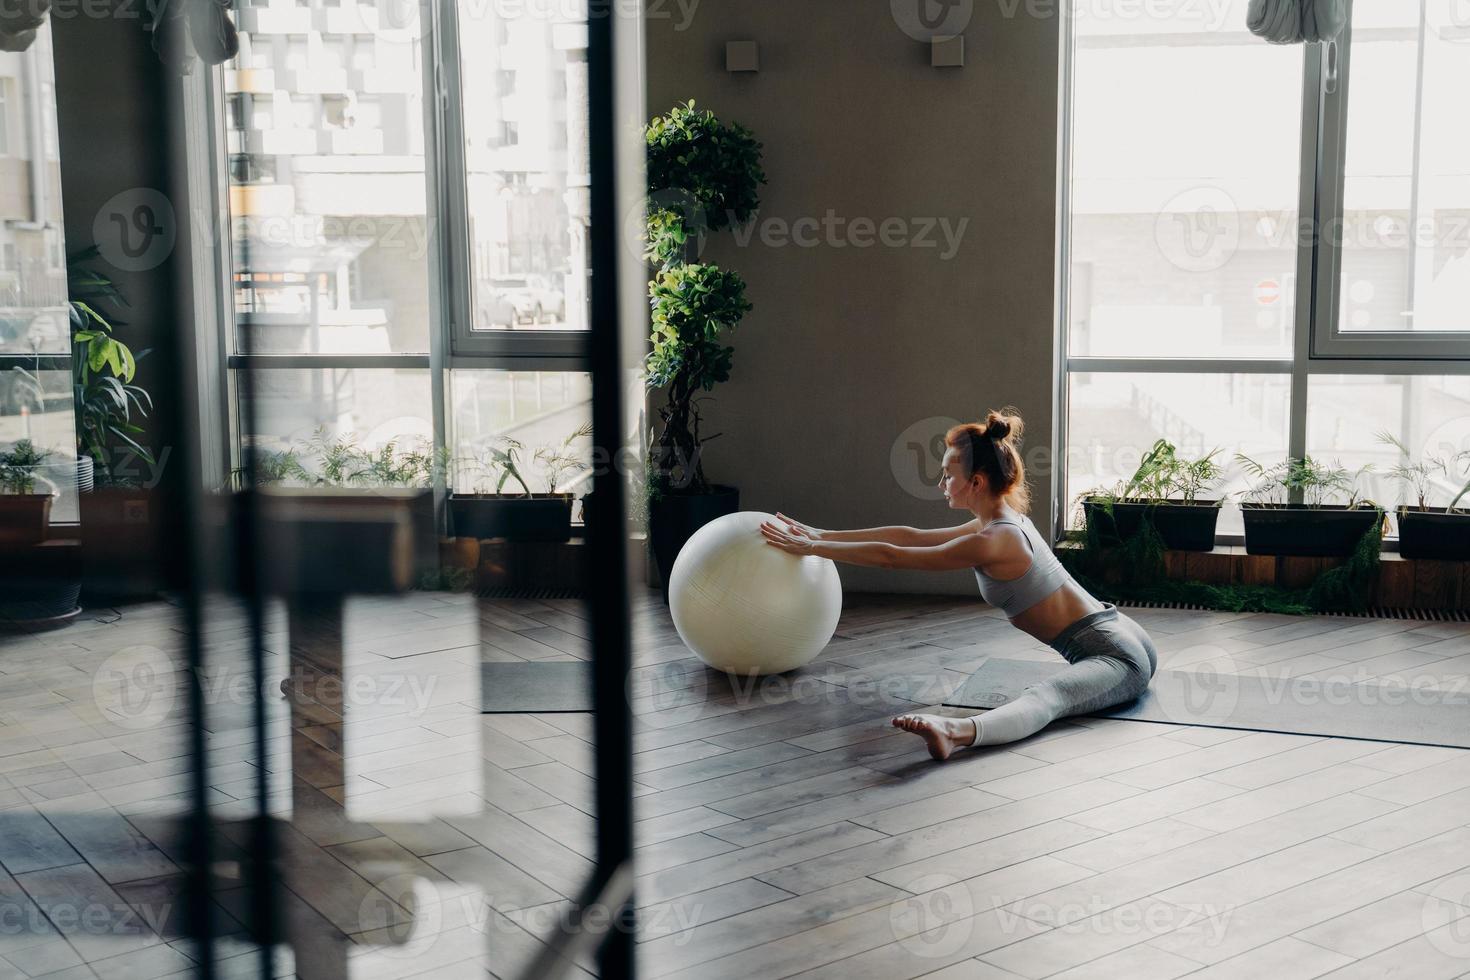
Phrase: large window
[1196,210]
[407,269]
[35,338]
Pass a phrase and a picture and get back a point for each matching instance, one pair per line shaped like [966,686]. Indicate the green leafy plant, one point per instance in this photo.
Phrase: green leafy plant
[495,466]
[390,466]
[328,460]
[693,305]
[1315,482]
[274,467]
[562,462]
[702,174]
[108,403]
[1162,474]
[18,467]
[1418,475]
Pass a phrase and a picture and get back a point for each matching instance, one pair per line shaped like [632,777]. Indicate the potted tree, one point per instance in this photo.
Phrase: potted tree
[117,472]
[524,516]
[1426,531]
[692,306]
[702,175]
[24,513]
[1165,491]
[1288,511]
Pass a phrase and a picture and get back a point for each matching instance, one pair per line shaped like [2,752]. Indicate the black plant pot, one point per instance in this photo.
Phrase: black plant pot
[1315,532]
[1183,527]
[674,517]
[539,517]
[1434,533]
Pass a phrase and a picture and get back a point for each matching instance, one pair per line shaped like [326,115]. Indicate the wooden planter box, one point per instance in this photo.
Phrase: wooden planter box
[539,517]
[1183,527]
[24,518]
[1434,533]
[1321,532]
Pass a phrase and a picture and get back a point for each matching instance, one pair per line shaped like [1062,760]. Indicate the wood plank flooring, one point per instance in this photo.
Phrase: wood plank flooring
[784,828]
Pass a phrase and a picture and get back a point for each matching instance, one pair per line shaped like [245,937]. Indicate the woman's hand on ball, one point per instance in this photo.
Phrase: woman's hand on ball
[790,543]
[795,527]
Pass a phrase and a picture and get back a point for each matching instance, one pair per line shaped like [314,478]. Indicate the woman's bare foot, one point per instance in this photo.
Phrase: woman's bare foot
[942,735]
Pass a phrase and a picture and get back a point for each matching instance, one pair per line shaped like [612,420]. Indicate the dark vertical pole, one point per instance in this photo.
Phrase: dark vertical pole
[246,550]
[249,565]
[182,550]
[607,535]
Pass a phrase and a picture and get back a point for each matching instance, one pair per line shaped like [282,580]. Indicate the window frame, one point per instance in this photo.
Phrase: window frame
[554,350]
[1329,340]
[452,340]
[1318,349]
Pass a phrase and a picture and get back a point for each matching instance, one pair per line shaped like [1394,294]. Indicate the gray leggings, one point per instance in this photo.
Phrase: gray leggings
[1112,660]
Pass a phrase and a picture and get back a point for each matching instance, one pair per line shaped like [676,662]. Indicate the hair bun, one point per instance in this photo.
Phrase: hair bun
[997,426]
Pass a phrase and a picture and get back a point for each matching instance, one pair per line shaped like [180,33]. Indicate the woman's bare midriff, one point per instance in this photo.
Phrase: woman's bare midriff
[1056,612]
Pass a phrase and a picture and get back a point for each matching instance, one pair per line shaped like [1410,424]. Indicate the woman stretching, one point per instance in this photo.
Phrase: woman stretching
[1111,658]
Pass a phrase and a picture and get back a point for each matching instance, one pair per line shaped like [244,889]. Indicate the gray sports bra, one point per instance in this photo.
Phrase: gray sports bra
[1044,576]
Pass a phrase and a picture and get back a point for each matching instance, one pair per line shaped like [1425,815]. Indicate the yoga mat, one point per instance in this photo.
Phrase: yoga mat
[535,688]
[1297,706]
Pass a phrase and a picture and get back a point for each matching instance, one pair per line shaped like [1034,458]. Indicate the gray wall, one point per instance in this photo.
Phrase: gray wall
[111,126]
[847,347]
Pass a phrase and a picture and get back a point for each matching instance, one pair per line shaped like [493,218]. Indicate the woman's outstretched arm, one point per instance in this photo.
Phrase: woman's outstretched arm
[962,552]
[908,537]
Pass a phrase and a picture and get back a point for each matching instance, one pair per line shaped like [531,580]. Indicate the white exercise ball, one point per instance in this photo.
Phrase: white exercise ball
[746,607]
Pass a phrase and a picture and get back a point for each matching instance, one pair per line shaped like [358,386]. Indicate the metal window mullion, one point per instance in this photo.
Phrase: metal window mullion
[1062,328]
[1310,205]
[441,83]
[308,362]
[452,171]
[1330,151]
[1159,365]
[1416,149]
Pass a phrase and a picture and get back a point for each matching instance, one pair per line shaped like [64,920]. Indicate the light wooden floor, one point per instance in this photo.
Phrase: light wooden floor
[784,829]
